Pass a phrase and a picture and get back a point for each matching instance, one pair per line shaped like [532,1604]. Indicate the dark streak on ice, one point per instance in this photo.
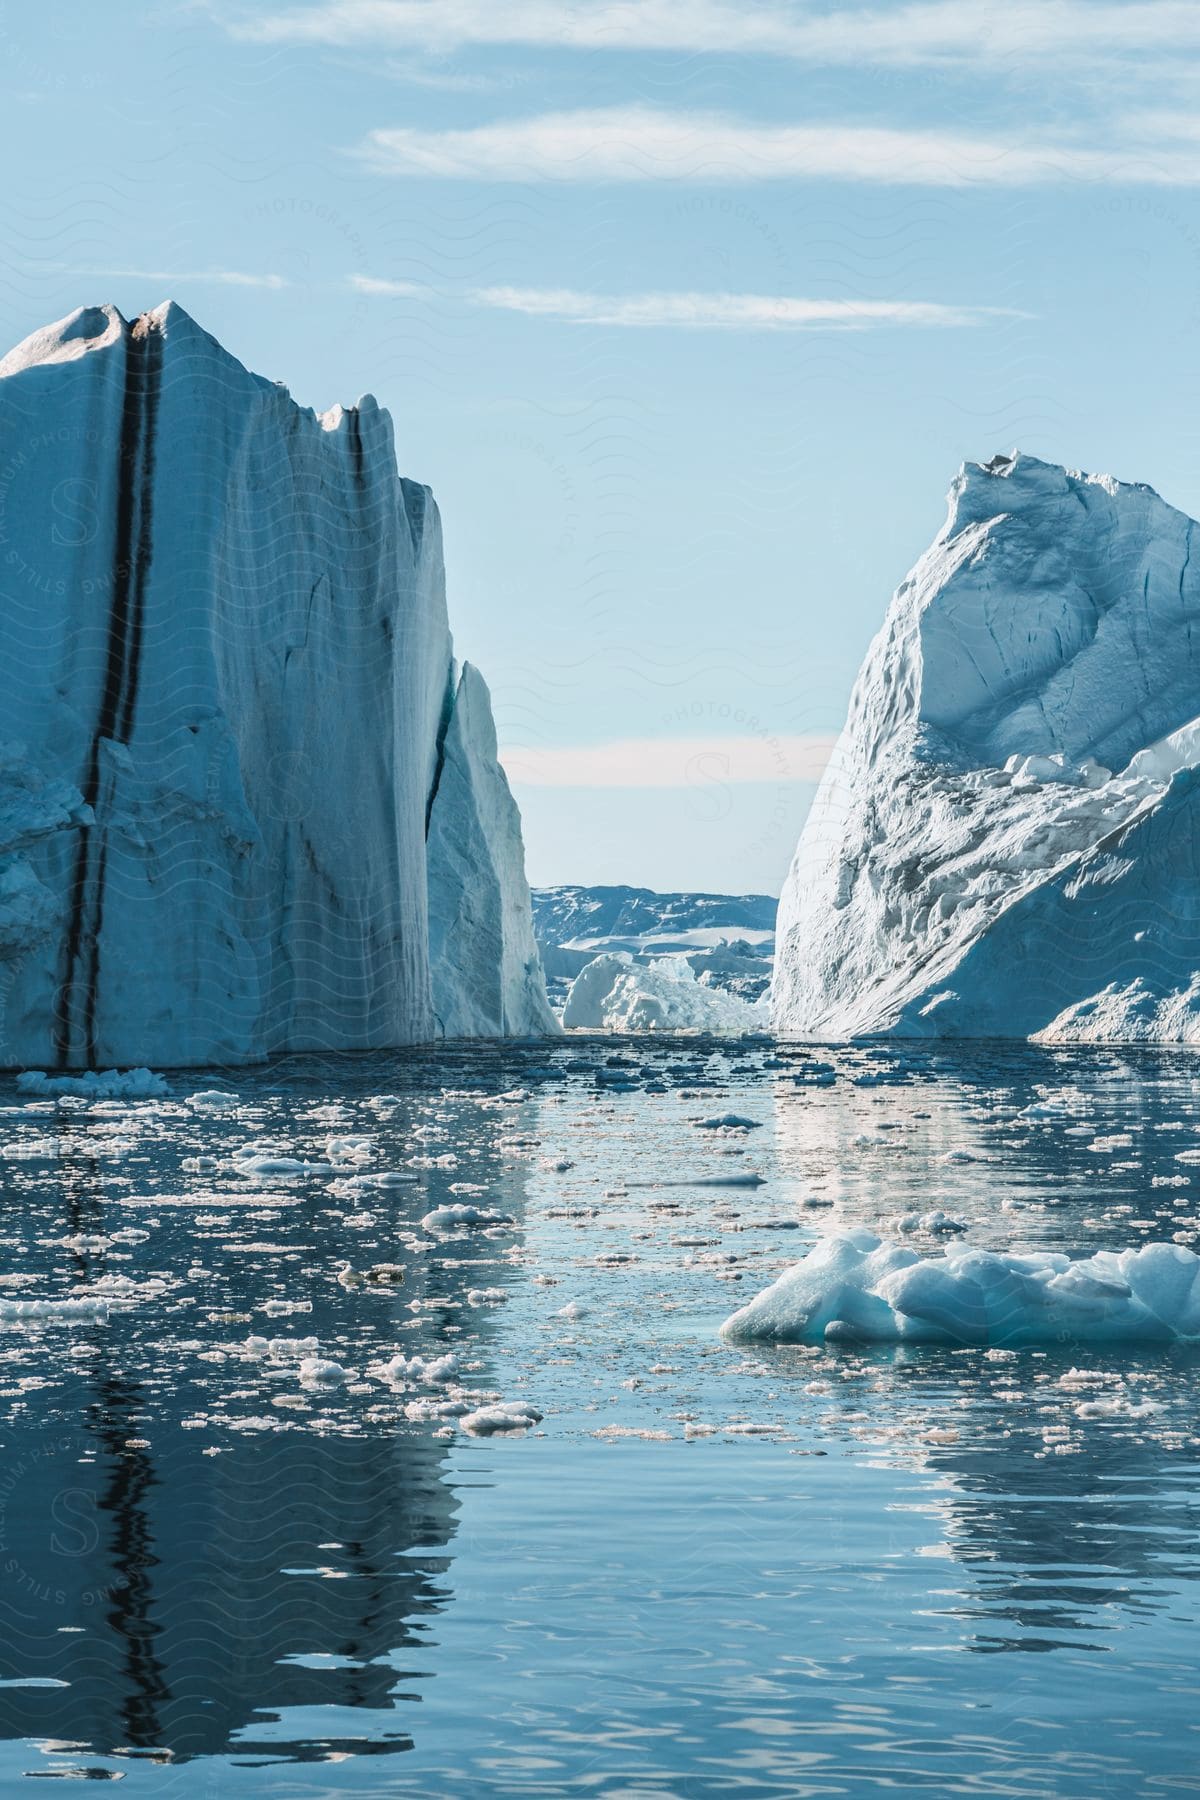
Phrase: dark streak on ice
[132,555]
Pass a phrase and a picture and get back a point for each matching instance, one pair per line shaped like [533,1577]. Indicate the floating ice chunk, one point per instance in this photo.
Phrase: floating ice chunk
[461,1215]
[1117,1406]
[316,1371]
[213,1100]
[505,1415]
[381,1178]
[109,1084]
[938,1222]
[281,1349]
[260,1164]
[857,1288]
[54,1312]
[412,1371]
[492,1296]
[1046,1109]
[728,1122]
[615,993]
[349,1149]
[707,1181]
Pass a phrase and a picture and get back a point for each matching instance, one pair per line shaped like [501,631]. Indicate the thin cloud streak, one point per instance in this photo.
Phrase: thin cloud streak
[697,312]
[929,32]
[732,312]
[672,762]
[638,143]
[215,277]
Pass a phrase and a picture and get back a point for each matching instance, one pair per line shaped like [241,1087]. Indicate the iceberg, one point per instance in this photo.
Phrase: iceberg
[616,993]
[249,803]
[1006,842]
[858,1288]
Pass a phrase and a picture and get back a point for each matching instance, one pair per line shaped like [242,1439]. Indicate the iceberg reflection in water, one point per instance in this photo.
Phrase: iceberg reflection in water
[761,1569]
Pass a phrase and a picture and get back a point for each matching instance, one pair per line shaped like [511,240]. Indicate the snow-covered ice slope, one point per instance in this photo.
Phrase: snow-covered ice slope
[1007,840]
[224,648]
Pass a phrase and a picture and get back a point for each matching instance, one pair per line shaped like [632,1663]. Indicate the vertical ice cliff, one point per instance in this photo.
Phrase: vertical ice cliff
[1007,840]
[230,706]
[487,974]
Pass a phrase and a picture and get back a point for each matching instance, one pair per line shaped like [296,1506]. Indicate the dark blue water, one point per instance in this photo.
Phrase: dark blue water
[706,1571]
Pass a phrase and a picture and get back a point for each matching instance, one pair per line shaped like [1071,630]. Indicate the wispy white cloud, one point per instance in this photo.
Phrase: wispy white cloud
[712,312]
[638,143]
[730,312]
[371,284]
[181,278]
[672,762]
[1021,32]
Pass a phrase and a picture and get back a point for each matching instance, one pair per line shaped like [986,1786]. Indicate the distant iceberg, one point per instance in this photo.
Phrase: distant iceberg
[1007,840]
[248,802]
[616,993]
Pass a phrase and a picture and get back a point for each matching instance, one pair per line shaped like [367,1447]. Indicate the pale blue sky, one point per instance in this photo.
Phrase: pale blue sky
[688,311]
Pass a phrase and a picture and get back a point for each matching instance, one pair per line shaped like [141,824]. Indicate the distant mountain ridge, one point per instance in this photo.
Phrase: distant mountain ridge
[728,940]
[564,915]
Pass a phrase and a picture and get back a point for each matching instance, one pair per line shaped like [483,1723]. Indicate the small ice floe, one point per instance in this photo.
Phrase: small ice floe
[707,1181]
[486,1296]
[415,1371]
[213,1100]
[960,1156]
[1117,1406]
[349,1149]
[379,1275]
[461,1216]
[95,1084]
[1046,1109]
[728,1122]
[376,1179]
[574,1309]
[54,1312]
[856,1288]
[318,1371]
[259,1162]
[938,1222]
[505,1415]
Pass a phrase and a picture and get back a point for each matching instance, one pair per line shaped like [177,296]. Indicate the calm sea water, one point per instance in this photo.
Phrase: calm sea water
[706,1571]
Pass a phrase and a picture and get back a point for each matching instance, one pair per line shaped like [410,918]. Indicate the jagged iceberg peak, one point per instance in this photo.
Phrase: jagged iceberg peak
[225,655]
[1003,842]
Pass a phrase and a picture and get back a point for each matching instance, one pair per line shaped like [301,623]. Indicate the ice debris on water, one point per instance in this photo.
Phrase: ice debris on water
[95,1084]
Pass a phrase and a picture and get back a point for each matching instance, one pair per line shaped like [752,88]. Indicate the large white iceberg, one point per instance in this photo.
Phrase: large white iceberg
[1007,840]
[857,1288]
[248,802]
